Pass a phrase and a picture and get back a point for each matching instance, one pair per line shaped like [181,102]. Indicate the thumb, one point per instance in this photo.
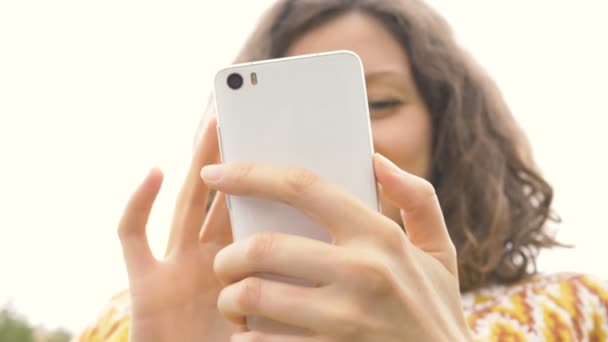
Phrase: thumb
[216,228]
[420,209]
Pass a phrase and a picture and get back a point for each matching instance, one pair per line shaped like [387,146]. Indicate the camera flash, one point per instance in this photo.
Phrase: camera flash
[254,78]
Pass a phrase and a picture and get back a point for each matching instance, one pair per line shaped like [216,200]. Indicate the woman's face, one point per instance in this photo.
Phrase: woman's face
[401,124]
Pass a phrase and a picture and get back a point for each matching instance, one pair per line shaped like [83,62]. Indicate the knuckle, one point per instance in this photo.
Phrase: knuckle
[242,170]
[392,238]
[451,258]
[426,188]
[379,279]
[126,231]
[300,180]
[423,192]
[121,231]
[250,294]
[219,266]
[373,276]
[451,249]
[260,246]
[347,322]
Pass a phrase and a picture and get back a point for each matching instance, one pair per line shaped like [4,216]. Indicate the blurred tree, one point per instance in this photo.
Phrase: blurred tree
[58,335]
[13,327]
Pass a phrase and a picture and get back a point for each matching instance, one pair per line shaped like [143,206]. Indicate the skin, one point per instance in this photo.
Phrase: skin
[174,299]
[401,132]
[373,283]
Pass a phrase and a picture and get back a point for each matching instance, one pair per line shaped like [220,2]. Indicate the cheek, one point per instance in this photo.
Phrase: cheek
[405,138]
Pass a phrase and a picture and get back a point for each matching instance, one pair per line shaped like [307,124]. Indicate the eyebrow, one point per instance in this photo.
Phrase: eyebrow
[396,79]
[372,76]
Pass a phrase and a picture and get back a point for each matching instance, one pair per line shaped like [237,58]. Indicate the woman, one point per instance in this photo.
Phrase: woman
[455,173]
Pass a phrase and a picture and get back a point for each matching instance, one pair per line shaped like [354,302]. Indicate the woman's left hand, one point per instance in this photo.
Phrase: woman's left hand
[374,283]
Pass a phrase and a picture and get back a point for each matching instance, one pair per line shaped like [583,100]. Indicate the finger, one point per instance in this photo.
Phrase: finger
[216,228]
[132,226]
[278,254]
[192,200]
[421,212]
[281,302]
[267,337]
[341,213]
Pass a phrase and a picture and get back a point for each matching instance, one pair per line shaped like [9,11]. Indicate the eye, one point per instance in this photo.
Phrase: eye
[384,105]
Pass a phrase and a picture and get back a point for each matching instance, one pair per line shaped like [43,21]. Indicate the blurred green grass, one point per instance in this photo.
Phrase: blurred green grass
[14,327]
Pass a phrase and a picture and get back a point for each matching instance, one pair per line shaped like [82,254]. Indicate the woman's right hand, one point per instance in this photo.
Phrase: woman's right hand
[175,299]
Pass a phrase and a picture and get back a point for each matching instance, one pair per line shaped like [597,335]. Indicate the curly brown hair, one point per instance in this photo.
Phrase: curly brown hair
[495,202]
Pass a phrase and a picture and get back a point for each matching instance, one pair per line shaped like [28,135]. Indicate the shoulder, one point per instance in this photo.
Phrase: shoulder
[571,306]
[112,325]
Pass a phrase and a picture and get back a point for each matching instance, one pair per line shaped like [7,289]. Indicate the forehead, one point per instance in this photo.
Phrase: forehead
[360,33]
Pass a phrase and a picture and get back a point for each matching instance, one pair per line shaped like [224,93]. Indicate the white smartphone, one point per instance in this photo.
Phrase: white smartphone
[307,112]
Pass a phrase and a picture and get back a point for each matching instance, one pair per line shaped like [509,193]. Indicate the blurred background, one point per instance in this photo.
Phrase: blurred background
[94,93]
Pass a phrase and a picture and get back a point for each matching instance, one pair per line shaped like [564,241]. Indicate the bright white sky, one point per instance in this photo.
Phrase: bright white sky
[93,93]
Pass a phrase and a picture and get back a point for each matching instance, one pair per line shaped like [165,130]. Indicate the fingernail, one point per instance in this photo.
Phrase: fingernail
[212,173]
[388,164]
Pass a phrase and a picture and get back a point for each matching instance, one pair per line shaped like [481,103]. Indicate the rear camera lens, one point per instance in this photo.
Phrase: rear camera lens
[235,81]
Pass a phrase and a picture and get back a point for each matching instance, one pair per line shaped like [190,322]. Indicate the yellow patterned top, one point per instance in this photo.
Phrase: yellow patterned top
[556,308]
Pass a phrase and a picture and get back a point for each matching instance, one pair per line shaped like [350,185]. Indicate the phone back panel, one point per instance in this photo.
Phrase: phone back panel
[307,112]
